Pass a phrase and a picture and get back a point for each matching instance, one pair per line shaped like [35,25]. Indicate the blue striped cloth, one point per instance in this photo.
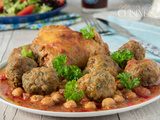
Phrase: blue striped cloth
[148,33]
[63,19]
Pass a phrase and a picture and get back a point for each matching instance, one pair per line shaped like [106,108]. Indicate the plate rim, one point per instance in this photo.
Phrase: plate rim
[75,114]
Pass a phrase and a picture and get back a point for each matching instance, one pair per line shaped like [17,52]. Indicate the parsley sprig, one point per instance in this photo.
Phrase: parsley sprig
[87,32]
[72,91]
[122,57]
[70,72]
[27,54]
[125,80]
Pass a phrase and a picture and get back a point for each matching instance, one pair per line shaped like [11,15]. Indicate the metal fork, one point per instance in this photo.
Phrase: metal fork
[89,20]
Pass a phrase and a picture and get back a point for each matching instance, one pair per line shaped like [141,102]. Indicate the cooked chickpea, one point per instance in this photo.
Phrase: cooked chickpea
[70,104]
[108,102]
[118,93]
[126,91]
[58,98]
[119,86]
[17,92]
[61,91]
[47,101]
[62,84]
[130,95]
[52,93]
[26,96]
[118,98]
[36,98]
[90,105]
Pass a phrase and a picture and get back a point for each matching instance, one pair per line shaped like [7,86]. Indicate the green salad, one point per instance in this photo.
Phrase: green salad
[26,7]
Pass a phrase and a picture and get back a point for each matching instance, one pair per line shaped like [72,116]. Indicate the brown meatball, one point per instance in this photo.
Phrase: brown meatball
[102,62]
[98,85]
[16,67]
[147,70]
[138,50]
[40,81]
[17,52]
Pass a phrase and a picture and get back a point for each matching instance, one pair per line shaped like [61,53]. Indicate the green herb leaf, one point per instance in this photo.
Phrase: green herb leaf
[59,63]
[122,57]
[126,82]
[87,32]
[27,54]
[73,73]
[44,8]
[70,72]
[72,91]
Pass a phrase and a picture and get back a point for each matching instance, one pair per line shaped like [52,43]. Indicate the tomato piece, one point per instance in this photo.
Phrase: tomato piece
[1,7]
[3,76]
[142,91]
[26,11]
[23,1]
[61,2]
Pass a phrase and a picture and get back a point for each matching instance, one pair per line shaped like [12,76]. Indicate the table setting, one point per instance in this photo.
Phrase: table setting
[116,22]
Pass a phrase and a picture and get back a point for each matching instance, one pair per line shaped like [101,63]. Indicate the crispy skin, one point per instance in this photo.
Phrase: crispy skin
[55,40]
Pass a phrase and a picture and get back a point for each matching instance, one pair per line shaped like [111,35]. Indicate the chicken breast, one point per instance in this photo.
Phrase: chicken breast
[55,40]
[147,70]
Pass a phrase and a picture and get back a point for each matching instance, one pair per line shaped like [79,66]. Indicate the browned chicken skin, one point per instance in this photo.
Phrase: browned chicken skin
[55,40]
[147,70]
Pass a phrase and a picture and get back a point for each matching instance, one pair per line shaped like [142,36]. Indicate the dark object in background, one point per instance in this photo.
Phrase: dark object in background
[94,5]
[54,3]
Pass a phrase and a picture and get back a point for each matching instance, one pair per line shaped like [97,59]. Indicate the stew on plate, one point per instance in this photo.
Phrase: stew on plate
[70,71]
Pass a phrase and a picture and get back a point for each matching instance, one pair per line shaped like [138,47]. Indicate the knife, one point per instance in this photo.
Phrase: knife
[120,30]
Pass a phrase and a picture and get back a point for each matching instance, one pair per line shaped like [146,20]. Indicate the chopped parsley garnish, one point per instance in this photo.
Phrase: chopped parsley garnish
[27,54]
[72,91]
[125,80]
[87,32]
[122,57]
[70,72]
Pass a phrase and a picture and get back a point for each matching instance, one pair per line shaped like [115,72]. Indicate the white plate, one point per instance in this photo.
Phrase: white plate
[75,114]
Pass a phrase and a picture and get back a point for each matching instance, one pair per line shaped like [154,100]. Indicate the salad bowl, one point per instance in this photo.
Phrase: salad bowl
[31,17]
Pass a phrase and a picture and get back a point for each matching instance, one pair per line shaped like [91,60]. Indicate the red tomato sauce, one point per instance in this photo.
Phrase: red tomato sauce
[6,91]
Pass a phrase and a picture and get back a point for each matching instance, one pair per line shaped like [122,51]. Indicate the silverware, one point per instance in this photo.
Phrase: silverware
[120,30]
[99,28]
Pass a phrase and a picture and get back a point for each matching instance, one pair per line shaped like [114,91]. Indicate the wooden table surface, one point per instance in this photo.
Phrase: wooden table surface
[16,38]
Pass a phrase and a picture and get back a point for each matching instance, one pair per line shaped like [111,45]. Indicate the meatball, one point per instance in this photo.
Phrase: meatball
[40,81]
[102,62]
[17,52]
[98,85]
[147,70]
[17,67]
[138,50]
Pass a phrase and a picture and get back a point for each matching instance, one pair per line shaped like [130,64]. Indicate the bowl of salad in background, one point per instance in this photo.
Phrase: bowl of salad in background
[22,11]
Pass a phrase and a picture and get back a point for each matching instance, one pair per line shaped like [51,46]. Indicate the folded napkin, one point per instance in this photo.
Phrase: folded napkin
[63,19]
[148,33]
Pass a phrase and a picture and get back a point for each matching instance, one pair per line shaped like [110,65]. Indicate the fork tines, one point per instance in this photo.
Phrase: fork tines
[93,22]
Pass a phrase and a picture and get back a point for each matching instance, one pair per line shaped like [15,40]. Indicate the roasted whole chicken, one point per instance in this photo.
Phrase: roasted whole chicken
[55,40]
